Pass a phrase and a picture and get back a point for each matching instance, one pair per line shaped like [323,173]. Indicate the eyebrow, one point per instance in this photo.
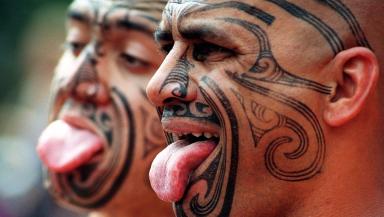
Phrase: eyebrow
[162,35]
[128,25]
[205,32]
[78,16]
[198,33]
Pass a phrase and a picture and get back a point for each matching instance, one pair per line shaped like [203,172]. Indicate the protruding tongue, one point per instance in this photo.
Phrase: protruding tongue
[170,169]
[63,147]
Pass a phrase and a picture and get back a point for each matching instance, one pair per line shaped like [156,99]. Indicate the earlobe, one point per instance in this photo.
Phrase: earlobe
[357,74]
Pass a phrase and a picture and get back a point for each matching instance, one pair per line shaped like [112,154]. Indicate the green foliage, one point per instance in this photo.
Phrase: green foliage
[15,16]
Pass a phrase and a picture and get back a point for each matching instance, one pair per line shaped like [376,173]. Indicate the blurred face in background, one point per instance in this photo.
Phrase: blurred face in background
[104,133]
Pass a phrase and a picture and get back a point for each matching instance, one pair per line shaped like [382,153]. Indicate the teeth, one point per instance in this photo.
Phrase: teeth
[208,135]
[205,134]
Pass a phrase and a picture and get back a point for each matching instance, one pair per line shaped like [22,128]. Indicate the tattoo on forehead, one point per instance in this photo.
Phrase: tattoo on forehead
[329,34]
[347,15]
[179,75]
[241,6]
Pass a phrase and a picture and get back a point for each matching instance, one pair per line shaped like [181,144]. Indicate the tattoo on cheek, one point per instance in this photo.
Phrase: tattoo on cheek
[179,75]
[276,130]
[265,121]
[153,137]
[100,118]
[220,176]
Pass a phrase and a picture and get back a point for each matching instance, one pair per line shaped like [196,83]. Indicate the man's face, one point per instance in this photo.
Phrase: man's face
[104,132]
[240,95]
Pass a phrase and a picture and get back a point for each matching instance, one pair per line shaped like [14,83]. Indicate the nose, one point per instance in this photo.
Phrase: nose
[85,84]
[172,81]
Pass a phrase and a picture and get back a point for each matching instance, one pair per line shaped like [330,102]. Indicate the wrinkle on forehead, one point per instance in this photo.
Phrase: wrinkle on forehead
[150,9]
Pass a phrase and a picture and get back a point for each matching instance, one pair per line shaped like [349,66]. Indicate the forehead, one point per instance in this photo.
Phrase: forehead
[105,11]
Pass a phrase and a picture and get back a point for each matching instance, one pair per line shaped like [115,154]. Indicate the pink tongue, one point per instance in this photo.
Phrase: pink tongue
[63,147]
[170,169]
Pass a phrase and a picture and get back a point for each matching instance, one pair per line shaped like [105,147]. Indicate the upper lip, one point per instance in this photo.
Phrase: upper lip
[183,125]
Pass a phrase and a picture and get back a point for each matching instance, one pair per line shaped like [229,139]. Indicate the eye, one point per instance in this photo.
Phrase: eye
[75,47]
[166,48]
[134,63]
[210,52]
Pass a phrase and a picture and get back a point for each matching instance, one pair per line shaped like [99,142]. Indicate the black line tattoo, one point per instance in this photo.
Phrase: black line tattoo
[102,188]
[152,132]
[327,32]
[241,6]
[168,136]
[266,67]
[220,176]
[315,166]
[348,16]
[193,110]
[179,75]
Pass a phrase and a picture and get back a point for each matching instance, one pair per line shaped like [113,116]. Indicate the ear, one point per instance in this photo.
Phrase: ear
[357,72]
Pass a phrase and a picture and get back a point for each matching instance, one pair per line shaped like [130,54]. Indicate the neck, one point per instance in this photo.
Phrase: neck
[351,182]
[128,208]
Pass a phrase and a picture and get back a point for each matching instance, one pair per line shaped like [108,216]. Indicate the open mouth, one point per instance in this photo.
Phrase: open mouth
[196,137]
[194,141]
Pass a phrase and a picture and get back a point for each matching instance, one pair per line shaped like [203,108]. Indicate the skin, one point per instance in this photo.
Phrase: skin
[295,86]
[99,85]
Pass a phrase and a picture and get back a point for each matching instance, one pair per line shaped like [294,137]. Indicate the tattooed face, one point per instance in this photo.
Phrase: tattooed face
[104,132]
[240,93]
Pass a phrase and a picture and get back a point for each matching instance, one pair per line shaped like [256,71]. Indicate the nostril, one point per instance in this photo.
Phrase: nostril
[92,92]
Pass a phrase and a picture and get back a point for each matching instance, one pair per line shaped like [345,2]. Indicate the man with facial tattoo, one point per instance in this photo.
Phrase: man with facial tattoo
[272,108]
[104,133]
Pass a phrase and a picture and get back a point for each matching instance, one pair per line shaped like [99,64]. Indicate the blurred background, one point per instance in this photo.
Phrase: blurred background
[31,35]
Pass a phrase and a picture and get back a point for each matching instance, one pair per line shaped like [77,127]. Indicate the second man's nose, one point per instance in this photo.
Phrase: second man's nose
[85,84]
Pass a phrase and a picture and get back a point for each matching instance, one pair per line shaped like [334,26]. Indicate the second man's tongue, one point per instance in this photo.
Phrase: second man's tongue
[171,168]
[62,147]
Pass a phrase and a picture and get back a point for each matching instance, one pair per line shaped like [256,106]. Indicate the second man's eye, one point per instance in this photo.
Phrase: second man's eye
[210,52]
[133,62]
[75,47]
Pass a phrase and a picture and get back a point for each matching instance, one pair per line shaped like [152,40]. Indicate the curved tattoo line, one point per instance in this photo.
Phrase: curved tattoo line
[149,143]
[282,121]
[348,16]
[241,6]
[194,110]
[88,193]
[327,32]
[266,67]
[179,75]
[210,206]
[307,113]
